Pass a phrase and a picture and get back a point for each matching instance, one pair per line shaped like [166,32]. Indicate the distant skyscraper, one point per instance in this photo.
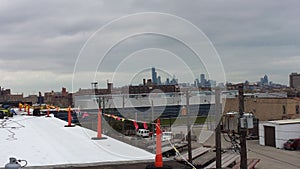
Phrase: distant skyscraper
[167,81]
[202,80]
[264,81]
[159,80]
[154,75]
[294,80]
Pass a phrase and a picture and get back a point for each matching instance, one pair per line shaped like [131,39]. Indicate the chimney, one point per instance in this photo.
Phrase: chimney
[144,82]
[109,87]
[63,91]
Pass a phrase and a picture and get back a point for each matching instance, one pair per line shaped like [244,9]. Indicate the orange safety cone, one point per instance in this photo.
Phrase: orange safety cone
[28,110]
[99,127]
[69,118]
[48,112]
[20,106]
[158,157]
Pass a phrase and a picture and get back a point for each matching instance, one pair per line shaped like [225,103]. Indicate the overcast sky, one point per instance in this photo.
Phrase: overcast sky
[40,41]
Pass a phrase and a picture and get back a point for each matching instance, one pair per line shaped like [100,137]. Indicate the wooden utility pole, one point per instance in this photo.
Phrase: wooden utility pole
[188,127]
[218,129]
[242,131]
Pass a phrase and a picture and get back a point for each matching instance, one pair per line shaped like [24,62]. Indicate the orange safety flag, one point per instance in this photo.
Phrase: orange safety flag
[145,126]
[135,125]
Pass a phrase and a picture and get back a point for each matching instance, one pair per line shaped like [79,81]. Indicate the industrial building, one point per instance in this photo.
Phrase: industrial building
[276,133]
[267,108]
[294,80]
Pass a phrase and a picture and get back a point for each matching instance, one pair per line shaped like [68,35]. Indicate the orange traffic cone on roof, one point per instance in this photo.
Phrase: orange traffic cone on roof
[158,157]
[99,129]
[69,118]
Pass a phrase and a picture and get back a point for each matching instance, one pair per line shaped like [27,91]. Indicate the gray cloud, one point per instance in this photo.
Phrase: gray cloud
[44,37]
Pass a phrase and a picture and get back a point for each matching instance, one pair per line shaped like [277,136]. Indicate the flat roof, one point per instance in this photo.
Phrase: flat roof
[288,121]
[45,141]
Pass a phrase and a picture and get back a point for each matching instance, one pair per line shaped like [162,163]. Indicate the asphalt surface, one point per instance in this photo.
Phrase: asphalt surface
[273,158]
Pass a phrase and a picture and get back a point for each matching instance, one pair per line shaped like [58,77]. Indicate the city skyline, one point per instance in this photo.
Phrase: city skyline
[202,82]
[41,41]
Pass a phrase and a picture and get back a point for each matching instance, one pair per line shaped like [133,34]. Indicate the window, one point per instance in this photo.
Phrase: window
[297,109]
[283,109]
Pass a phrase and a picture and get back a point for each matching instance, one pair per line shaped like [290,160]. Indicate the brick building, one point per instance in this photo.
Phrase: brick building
[95,91]
[152,87]
[6,96]
[295,80]
[61,99]
[267,108]
[31,99]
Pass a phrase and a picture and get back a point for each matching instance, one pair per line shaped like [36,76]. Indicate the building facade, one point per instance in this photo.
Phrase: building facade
[149,87]
[6,96]
[276,133]
[266,109]
[61,99]
[295,80]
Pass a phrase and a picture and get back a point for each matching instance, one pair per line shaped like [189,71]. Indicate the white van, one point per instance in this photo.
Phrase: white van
[143,133]
[167,135]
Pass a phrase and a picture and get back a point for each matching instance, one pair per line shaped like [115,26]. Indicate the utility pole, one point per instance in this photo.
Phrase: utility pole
[218,129]
[188,127]
[123,111]
[242,131]
[152,117]
[103,106]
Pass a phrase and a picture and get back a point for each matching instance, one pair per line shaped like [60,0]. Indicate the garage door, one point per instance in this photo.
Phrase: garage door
[269,136]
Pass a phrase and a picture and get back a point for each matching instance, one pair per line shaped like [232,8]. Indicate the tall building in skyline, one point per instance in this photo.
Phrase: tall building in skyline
[156,79]
[294,80]
[154,76]
[202,80]
[264,80]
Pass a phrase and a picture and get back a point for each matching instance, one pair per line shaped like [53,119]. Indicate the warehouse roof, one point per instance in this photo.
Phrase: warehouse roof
[288,121]
[45,141]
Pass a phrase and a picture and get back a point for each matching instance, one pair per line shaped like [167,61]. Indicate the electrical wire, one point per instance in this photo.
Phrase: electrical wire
[179,154]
